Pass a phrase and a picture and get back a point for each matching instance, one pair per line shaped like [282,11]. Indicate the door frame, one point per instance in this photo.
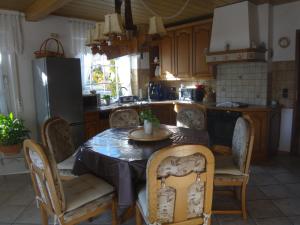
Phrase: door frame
[295,139]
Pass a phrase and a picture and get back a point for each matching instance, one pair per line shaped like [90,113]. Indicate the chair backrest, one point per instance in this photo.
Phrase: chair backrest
[191,118]
[242,143]
[46,181]
[57,137]
[124,118]
[180,184]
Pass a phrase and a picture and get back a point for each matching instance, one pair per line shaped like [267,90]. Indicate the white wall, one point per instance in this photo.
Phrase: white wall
[286,20]
[34,34]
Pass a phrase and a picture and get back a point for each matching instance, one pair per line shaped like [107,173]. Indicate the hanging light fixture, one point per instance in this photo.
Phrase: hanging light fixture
[98,33]
[156,26]
[113,25]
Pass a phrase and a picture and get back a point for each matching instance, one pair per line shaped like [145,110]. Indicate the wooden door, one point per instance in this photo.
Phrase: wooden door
[201,40]
[167,54]
[183,52]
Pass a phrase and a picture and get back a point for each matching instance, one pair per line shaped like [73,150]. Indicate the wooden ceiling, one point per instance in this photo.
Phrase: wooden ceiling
[96,9]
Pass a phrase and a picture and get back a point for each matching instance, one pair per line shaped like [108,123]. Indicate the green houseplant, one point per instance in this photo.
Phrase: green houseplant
[12,134]
[106,99]
[149,120]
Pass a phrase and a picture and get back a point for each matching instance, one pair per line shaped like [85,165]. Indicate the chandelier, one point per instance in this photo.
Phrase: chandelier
[112,32]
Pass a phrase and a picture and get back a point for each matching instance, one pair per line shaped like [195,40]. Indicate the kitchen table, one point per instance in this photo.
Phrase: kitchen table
[122,162]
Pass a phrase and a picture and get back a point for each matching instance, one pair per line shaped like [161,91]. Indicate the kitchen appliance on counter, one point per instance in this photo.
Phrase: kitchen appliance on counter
[58,92]
[160,92]
[187,93]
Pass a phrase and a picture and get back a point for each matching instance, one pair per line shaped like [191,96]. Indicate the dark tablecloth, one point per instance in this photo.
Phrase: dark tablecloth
[122,162]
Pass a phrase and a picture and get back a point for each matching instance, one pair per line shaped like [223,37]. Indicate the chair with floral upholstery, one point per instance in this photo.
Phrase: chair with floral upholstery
[124,118]
[191,118]
[179,187]
[232,168]
[56,136]
[71,201]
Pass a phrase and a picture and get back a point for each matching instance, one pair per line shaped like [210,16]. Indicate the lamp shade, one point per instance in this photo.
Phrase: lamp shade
[156,26]
[98,34]
[113,24]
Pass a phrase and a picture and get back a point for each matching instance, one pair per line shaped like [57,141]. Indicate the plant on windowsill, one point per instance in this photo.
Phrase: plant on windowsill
[149,120]
[12,134]
[106,99]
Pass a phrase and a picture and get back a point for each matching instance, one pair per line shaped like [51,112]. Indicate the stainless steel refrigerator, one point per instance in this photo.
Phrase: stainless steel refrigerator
[58,92]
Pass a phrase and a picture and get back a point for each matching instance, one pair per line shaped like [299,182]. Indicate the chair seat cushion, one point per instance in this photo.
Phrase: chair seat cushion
[84,189]
[67,164]
[228,178]
[226,165]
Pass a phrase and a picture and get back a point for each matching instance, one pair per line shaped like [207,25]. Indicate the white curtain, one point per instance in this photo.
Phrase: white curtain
[78,32]
[11,44]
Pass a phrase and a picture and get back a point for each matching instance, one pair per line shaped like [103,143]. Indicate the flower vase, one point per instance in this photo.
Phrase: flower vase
[148,127]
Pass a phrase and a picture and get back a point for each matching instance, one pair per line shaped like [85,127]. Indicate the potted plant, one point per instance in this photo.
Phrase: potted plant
[149,120]
[106,99]
[12,134]
[200,92]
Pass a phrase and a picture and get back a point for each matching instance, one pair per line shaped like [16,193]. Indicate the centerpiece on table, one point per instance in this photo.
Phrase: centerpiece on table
[149,119]
[12,134]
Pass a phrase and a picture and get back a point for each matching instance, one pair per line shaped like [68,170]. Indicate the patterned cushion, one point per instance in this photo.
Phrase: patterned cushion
[191,118]
[165,203]
[225,165]
[84,189]
[59,139]
[195,199]
[85,209]
[180,166]
[124,118]
[240,141]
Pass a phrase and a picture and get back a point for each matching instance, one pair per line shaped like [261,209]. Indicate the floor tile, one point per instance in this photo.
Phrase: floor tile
[262,179]
[263,209]
[287,178]
[24,197]
[30,215]
[274,221]
[295,220]
[8,214]
[254,193]
[294,189]
[233,220]
[276,191]
[289,206]
[5,195]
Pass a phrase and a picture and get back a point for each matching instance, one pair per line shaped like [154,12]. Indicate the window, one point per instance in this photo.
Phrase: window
[107,77]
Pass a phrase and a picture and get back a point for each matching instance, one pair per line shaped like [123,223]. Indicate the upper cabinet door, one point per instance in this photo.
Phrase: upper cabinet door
[167,54]
[183,52]
[201,39]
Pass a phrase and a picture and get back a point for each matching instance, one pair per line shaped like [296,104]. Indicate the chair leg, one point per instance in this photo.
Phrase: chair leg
[138,216]
[44,216]
[114,211]
[243,201]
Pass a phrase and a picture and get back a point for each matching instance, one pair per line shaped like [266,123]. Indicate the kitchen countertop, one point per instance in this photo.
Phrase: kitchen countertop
[114,106]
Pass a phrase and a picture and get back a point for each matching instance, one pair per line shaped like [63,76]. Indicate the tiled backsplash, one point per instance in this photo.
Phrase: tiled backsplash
[284,77]
[242,82]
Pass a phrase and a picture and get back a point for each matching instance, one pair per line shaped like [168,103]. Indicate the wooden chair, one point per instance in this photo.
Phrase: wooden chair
[70,202]
[191,118]
[56,136]
[179,187]
[124,118]
[232,168]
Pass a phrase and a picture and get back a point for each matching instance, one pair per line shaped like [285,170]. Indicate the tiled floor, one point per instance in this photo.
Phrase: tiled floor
[273,198]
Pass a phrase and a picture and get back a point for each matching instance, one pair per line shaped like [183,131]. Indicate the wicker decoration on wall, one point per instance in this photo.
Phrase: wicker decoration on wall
[45,52]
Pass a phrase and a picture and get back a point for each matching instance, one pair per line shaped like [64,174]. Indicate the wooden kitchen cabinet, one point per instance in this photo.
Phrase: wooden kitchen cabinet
[201,40]
[165,113]
[183,45]
[91,124]
[166,49]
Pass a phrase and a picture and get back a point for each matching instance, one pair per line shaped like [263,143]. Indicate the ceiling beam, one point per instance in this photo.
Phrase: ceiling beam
[39,9]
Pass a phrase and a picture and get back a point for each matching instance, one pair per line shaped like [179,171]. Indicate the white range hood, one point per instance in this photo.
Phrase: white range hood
[235,34]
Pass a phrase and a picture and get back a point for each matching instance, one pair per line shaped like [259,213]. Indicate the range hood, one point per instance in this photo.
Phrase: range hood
[235,34]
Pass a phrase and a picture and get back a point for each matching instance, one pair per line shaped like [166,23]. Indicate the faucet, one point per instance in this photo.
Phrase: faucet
[120,90]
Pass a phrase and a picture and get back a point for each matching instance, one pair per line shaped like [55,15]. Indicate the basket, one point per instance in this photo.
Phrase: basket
[43,52]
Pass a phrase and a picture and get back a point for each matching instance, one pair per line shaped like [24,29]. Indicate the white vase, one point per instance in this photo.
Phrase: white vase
[148,128]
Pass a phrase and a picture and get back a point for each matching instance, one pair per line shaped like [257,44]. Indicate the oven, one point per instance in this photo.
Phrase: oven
[220,126]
